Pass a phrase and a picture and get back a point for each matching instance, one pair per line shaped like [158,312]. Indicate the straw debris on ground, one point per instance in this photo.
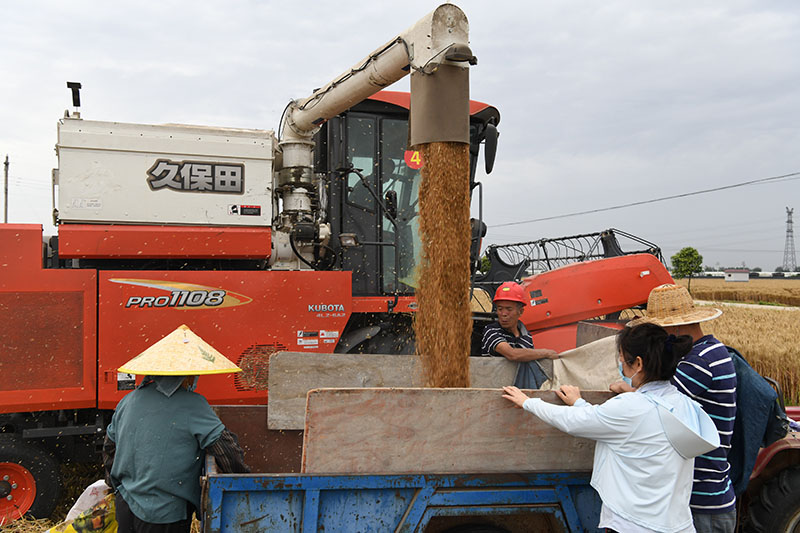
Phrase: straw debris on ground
[28,525]
[76,477]
[443,321]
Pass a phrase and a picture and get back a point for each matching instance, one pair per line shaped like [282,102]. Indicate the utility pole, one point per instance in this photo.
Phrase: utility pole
[789,258]
[5,193]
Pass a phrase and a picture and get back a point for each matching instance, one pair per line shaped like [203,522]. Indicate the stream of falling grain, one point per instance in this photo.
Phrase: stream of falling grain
[443,322]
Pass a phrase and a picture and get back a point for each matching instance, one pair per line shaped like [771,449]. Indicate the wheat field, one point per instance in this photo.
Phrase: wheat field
[767,291]
[766,335]
[768,340]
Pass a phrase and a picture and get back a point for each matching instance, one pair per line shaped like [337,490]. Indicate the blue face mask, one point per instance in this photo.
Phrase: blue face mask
[625,378]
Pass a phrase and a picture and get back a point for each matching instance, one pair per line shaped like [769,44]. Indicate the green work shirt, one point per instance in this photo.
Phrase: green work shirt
[159,442]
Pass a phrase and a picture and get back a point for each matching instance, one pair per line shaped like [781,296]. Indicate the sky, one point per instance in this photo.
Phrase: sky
[601,103]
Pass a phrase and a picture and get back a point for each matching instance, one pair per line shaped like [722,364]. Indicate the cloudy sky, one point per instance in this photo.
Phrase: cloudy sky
[603,102]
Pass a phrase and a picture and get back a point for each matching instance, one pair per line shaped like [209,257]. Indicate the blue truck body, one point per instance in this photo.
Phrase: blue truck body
[306,503]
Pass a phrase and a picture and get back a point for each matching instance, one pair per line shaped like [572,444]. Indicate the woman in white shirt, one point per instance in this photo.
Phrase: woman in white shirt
[646,440]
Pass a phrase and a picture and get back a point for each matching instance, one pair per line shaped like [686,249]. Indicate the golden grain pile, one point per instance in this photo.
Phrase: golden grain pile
[774,291]
[443,322]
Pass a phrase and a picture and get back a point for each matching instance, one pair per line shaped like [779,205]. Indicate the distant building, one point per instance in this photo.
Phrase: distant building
[737,274]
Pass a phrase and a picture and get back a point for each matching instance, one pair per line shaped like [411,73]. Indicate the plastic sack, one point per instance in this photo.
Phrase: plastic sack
[90,497]
[100,518]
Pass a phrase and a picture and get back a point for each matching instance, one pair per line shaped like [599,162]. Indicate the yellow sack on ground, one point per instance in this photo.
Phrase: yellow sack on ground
[101,518]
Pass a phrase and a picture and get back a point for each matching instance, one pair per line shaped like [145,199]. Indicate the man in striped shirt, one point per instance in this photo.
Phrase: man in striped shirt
[707,375]
[508,337]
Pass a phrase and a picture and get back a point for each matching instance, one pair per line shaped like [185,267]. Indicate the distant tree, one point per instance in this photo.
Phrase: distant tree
[779,269]
[756,269]
[686,263]
[485,265]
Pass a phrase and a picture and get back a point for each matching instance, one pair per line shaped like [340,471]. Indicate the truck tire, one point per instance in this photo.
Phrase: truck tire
[29,479]
[778,507]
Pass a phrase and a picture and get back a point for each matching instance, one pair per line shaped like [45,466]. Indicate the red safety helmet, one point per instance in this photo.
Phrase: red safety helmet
[510,291]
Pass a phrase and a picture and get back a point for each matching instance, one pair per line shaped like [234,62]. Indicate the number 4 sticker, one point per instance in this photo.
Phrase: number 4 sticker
[413,159]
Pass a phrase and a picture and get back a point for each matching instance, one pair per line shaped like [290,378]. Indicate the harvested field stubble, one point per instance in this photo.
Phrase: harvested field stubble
[443,322]
[777,291]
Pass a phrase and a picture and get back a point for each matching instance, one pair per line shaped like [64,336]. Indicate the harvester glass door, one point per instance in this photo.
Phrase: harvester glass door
[400,173]
[359,209]
[376,146]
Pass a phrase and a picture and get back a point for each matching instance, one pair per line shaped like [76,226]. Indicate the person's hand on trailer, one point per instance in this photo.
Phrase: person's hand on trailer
[569,394]
[514,395]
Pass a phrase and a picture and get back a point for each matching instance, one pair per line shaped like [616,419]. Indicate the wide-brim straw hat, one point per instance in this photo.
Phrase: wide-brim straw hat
[672,305]
[181,353]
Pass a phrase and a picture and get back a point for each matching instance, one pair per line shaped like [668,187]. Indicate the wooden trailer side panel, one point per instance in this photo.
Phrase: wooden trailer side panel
[435,431]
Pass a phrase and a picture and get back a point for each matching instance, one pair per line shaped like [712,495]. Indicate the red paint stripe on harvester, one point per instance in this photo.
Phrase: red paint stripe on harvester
[155,242]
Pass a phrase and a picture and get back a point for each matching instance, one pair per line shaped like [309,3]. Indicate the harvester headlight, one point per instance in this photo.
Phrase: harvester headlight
[348,240]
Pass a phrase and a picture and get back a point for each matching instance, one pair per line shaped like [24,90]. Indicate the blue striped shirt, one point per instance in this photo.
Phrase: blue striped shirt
[706,374]
[494,334]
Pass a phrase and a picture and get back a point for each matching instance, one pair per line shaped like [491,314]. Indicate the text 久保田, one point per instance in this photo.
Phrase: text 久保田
[194,176]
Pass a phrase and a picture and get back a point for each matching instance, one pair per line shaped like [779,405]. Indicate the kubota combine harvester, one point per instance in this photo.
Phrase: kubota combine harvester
[305,239]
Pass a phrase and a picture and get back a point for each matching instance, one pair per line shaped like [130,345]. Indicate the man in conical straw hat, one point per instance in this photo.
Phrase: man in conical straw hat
[154,445]
[707,375]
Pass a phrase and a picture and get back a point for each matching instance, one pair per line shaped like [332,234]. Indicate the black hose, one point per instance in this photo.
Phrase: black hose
[334,255]
[297,252]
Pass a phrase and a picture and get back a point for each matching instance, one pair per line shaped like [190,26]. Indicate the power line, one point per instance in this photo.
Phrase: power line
[793,175]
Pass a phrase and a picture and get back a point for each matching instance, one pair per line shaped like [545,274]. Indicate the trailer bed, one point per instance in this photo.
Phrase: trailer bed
[541,501]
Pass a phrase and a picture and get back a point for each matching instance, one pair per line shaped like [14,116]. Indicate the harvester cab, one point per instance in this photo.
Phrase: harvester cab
[371,190]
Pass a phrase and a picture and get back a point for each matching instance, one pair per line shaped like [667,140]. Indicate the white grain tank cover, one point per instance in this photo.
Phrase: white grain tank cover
[111,172]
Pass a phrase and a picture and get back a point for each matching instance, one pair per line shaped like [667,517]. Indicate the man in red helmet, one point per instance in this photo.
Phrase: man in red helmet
[508,337]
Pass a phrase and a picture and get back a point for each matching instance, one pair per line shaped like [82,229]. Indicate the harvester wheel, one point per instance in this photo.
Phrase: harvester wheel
[29,480]
[778,507]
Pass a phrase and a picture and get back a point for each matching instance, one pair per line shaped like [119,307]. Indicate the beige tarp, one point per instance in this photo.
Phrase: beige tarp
[589,367]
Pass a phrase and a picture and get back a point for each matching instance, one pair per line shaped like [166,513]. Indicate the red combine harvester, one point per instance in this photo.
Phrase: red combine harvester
[260,243]
[218,229]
